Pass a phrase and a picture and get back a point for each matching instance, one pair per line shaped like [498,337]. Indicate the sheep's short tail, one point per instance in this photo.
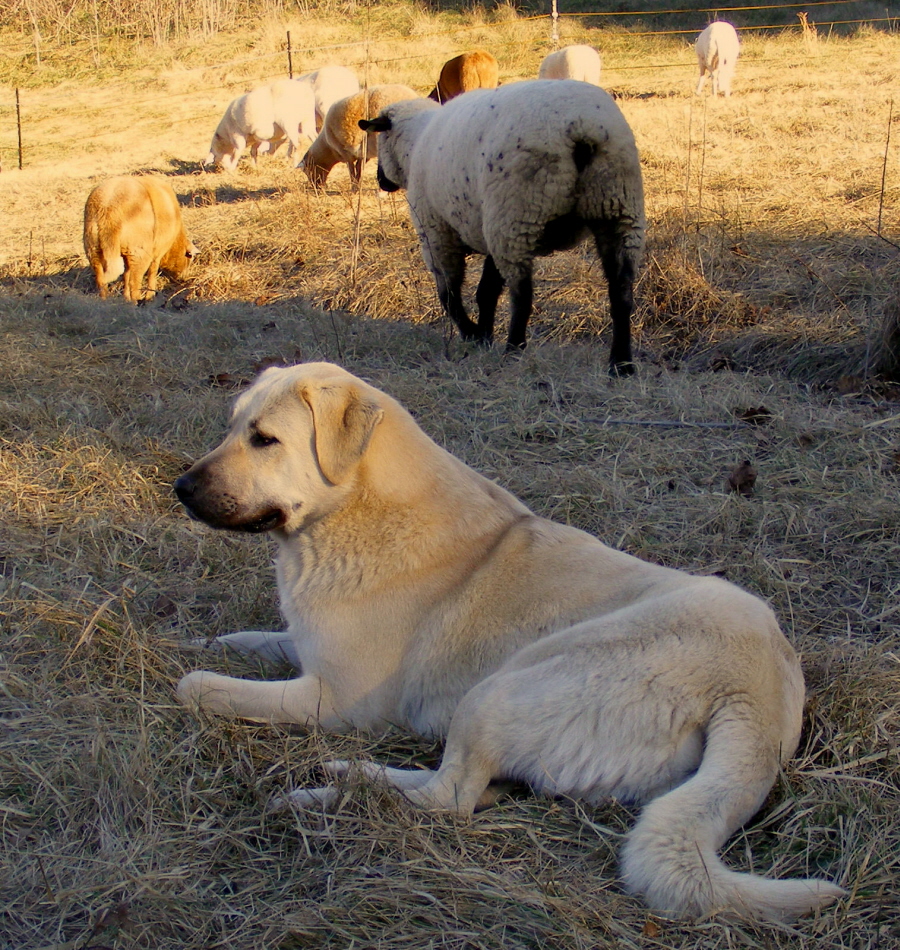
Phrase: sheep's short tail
[101,237]
[110,266]
[670,857]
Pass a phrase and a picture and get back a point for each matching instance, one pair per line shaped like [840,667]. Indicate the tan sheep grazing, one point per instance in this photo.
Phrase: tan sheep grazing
[133,226]
[341,138]
[475,70]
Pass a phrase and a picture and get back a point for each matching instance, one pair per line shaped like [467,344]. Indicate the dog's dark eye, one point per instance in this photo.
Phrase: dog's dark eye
[260,441]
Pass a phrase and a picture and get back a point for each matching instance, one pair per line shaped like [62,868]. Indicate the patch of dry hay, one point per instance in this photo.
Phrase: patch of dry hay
[127,821]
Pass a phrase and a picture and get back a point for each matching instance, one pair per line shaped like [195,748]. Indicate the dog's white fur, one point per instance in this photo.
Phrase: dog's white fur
[420,594]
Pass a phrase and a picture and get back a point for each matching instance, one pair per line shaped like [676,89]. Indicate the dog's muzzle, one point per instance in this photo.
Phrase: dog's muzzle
[222,511]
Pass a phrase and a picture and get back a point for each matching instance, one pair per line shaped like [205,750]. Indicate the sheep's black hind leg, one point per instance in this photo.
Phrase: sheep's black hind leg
[449,281]
[521,295]
[486,296]
[619,267]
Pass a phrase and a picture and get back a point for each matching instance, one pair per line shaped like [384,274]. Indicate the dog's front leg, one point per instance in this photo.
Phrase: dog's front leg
[303,701]
[273,646]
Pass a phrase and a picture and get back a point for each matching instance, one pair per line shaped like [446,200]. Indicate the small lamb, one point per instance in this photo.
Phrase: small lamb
[717,50]
[329,84]
[572,62]
[262,120]
[515,173]
[475,70]
[342,139]
[133,226]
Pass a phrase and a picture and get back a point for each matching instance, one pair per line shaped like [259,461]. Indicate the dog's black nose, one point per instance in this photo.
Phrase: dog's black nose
[185,486]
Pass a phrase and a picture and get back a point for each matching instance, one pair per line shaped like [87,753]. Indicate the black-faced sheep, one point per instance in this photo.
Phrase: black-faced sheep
[262,119]
[341,138]
[133,225]
[475,70]
[329,84]
[515,173]
[572,62]
[717,49]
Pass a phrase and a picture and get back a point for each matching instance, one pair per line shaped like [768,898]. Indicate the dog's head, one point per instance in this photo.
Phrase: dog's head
[295,444]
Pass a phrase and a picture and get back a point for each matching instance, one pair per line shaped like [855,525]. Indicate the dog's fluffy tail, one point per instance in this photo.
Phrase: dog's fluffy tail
[670,857]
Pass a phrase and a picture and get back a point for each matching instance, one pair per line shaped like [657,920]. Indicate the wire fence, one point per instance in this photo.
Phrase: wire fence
[719,10]
[25,110]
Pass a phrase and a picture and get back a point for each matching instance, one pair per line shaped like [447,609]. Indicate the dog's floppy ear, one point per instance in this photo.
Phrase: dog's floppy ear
[343,419]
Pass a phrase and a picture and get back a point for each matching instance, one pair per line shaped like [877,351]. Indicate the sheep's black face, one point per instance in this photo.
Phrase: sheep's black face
[384,183]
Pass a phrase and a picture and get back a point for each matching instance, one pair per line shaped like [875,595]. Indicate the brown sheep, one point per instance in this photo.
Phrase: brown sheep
[133,225]
[475,70]
[341,138]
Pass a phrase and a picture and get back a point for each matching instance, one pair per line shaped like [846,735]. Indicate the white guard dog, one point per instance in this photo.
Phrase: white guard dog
[420,594]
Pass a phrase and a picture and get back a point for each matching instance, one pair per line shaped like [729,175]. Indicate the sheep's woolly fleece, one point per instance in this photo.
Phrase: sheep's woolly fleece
[515,173]
[475,70]
[133,225]
[262,120]
[572,62]
[464,172]
[329,84]
[717,48]
[341,138]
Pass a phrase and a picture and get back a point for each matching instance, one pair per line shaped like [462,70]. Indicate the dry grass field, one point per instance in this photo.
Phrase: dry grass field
[772,267]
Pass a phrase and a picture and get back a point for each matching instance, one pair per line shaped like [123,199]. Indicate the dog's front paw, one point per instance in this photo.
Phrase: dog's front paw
[190,689]
[209,692]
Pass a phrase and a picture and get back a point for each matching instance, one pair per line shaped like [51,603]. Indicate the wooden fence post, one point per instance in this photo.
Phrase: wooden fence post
[19,127]
[290,58]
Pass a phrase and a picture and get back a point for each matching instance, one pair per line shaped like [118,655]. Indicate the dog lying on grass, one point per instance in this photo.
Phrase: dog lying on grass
[422,595]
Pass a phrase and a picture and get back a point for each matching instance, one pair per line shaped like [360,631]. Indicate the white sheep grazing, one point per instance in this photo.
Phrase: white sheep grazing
[717,49]
[261,120]
[514,173]
[329,84]
[572,62]
[341,138]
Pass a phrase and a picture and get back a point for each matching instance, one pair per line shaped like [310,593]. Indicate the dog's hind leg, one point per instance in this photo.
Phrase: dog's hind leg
[413,781]
[402,779]
[462,784]
[325,798]
[328,796]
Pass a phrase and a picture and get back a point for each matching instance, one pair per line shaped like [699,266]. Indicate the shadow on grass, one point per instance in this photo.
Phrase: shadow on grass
[226,193]
[80,279]
[214,186]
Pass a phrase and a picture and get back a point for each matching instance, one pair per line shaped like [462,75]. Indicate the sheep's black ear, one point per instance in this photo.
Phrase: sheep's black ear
[381,124]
